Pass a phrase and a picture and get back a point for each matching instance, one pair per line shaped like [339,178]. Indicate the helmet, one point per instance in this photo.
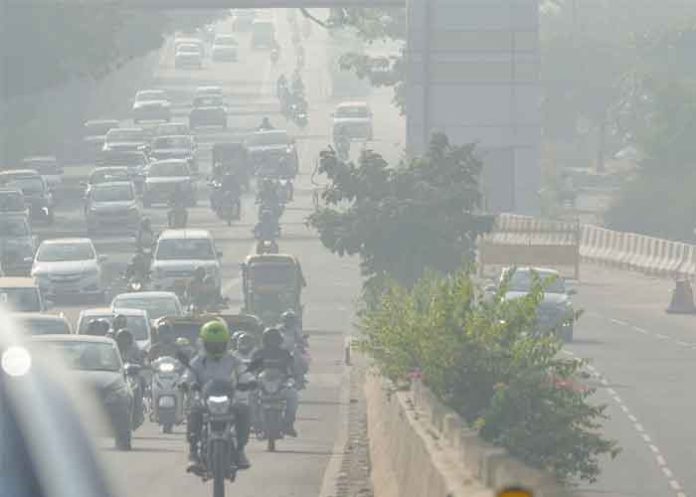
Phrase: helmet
[272,337]
[215,337]
[245,342]
[289,318]
[145,223]
[165,332]
[120,322]
[199,273]
[124,339]
[98,327]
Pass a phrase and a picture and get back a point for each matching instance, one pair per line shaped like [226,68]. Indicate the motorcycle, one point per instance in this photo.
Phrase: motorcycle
[167,397]
[275,55]
[271,406]
[266,231]
[286,191]
[177,217]
[134,381]
[229,208]
[298,112]
[267,247]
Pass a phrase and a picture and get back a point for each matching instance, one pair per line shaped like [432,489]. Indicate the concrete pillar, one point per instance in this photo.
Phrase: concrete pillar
[473,73]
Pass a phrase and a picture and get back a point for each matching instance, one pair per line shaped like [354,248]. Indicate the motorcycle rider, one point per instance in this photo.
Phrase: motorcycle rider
[119,322]
[146,236]
[166,345]
[265,125]
[178,205]
[215,362]
[295,342]
[98,327]
[139,265]
[201,290]
[272,355]
[281,85]
[131,354]
[267,227]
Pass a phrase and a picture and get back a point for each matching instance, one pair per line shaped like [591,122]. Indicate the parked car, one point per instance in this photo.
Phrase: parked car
[177,255]
[36,192]
[125,139]
[175,147]
[224,48]
[162,178]
[270,146]
[188,55]
[69,267]
[94,133]
[355,118]
[156,304]
[137,320]
[43,324]
[16,246]
[113,208]
[22,295]
[208,111]
[97,362]
[47,166]
[151,105]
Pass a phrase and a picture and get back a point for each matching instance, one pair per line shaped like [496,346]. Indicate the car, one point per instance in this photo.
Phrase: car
[175,147]
[36,192]
[137,320]
[271,145]
[162,178]
[43,324]
[555,311]
[242,19]
[47,166]
[188,55]
[93,135]
[209,91]
[12,203]
[190,38]
[125,139]
[355,118]
[113,207]
[224,48]
[263,34]
[208,111]
[69,266]
[22,295]
[156,304]
[151,105]
[135,160]
[178,253]
[16,246]
[106,175]
[170,129]
[98,364]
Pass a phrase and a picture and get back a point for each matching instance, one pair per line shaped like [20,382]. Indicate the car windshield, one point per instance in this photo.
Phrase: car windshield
[188,49]
[112,193]
[268,138]
[89,356]
[129,158]
[99,128]
[151,95]
[225,40]
[272,274]
[137,325]
[156,307]
[39,326]
[11,201]
[43,166]
[356,111]
[125,135]
[171,142]
[171,169]
[522,281]
[22,299]
[172,129]
[208,101]
[28,184]
[185,249]
[107,175]
[13,227]
[67,251]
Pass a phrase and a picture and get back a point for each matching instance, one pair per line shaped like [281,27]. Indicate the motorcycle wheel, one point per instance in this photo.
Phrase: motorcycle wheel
[273,420]
[220,464]
[123,440]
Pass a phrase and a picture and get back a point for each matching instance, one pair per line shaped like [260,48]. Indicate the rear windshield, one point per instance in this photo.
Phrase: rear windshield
[171,142]
[225,40]
[21,299]
[107,175]
[172,129]
[37,326]
[185,249]
[168,169]
[112,193]
[137,325]
[208,101]
[56,252]
[151,95]
[357,111]
[132,135]
[28,184]
[125,158]
[272,274]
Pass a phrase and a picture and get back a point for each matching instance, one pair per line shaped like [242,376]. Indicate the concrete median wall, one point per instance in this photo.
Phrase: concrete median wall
[421,448]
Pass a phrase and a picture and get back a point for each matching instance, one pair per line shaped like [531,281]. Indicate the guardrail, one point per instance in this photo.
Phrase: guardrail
[646,254]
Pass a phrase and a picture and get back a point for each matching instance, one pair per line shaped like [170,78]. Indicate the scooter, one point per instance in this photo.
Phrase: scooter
[228,208]
[167,397]
[134,381]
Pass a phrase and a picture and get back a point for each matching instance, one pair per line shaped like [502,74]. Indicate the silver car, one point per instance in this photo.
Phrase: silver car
[113,207]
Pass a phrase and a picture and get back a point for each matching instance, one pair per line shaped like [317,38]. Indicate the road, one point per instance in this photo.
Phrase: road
[155,466]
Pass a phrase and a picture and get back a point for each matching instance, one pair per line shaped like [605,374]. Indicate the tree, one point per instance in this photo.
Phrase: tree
[402,221]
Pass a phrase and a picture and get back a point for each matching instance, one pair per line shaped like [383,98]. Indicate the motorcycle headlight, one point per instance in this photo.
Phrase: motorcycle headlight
[166,367]
[218,404]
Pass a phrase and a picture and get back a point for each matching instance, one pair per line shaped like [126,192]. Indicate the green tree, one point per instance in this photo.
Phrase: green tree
[402,220]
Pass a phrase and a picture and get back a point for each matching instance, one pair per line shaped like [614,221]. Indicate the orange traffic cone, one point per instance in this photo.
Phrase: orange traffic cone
[682,298]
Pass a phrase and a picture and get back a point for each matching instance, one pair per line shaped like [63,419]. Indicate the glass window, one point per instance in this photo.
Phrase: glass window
[208,101]
[269,138]
[522,281]
[55,252]
[89,356]
[107,175]
[37,326]
[272,274]
[112,193]
[25,299]
[125,135]
[357,111]
[171,169]
[172,142]
[151,95]
[28,184]
[137,325]
[189,248]
[155,307]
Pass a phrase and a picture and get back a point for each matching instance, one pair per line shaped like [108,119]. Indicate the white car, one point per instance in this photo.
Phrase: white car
[137,320]
[177,255]
[113,207]
[209,91]
[169,129]
[156,304]
[68,266]
[224,48]
[151,105]
[188,55]
[47,167]
[355,118]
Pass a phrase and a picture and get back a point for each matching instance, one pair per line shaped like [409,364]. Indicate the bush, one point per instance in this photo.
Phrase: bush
[484,359]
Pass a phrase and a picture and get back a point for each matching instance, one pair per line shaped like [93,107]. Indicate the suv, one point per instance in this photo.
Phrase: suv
[16,246]
[175,147]
[46,166]
[162,180]
[113,207]
[188,55]
[208,111]
[177,255]
[224,49]
[35,190]
[126,139]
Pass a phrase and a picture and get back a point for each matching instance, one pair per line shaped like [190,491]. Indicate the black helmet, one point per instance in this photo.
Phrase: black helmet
[120,322]
[272,337]
[98,327]
[165,332]
[289,318]
[199,273]
[124,339]
[245,342]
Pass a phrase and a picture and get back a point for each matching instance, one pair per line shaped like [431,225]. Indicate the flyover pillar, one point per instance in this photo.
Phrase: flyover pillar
[473,73]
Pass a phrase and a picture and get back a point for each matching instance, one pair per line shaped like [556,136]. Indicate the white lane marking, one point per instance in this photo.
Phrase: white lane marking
[667,472]
[674,484]
[661,460]
[624,408]
[683,343]
[654,448]
[639,330]
[619,322]
[639,427]
[661,336]
[632,418]
[646,438]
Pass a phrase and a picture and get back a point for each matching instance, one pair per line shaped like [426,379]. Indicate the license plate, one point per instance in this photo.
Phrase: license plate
[166,402]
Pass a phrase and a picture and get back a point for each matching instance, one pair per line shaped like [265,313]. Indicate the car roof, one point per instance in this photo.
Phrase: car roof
[352,104]
[186,137]
[112,183]
[20,172]
[110,168]
[137,295]
[133,128]
[73,338]
[55,241]
[177,234]
[32,158]
[17,282]
[102,311]
[39,316]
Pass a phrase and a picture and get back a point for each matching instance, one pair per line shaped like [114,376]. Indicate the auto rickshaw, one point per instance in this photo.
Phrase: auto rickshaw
[233,156]
[272,284]
[247,323]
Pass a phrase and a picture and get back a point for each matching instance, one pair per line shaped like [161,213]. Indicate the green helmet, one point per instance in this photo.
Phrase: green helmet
[215,337]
